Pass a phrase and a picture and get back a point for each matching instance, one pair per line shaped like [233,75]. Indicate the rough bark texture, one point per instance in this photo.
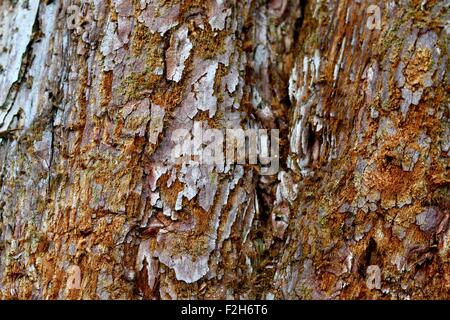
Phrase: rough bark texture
[359,209]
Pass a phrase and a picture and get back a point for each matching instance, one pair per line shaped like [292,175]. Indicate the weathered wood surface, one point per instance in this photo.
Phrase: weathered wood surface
[92,208]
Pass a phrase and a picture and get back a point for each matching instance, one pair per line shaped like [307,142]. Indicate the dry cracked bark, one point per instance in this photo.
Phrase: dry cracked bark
[92,207]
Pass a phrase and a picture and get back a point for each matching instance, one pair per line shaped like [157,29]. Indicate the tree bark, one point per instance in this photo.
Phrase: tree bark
[91,207]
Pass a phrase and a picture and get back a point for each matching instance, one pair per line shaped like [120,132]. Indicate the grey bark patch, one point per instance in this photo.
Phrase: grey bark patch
[159,16]
[177,54]
[201,97]
[429,219]
[398,76]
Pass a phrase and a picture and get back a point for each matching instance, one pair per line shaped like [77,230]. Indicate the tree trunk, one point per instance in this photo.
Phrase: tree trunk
[92,207]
